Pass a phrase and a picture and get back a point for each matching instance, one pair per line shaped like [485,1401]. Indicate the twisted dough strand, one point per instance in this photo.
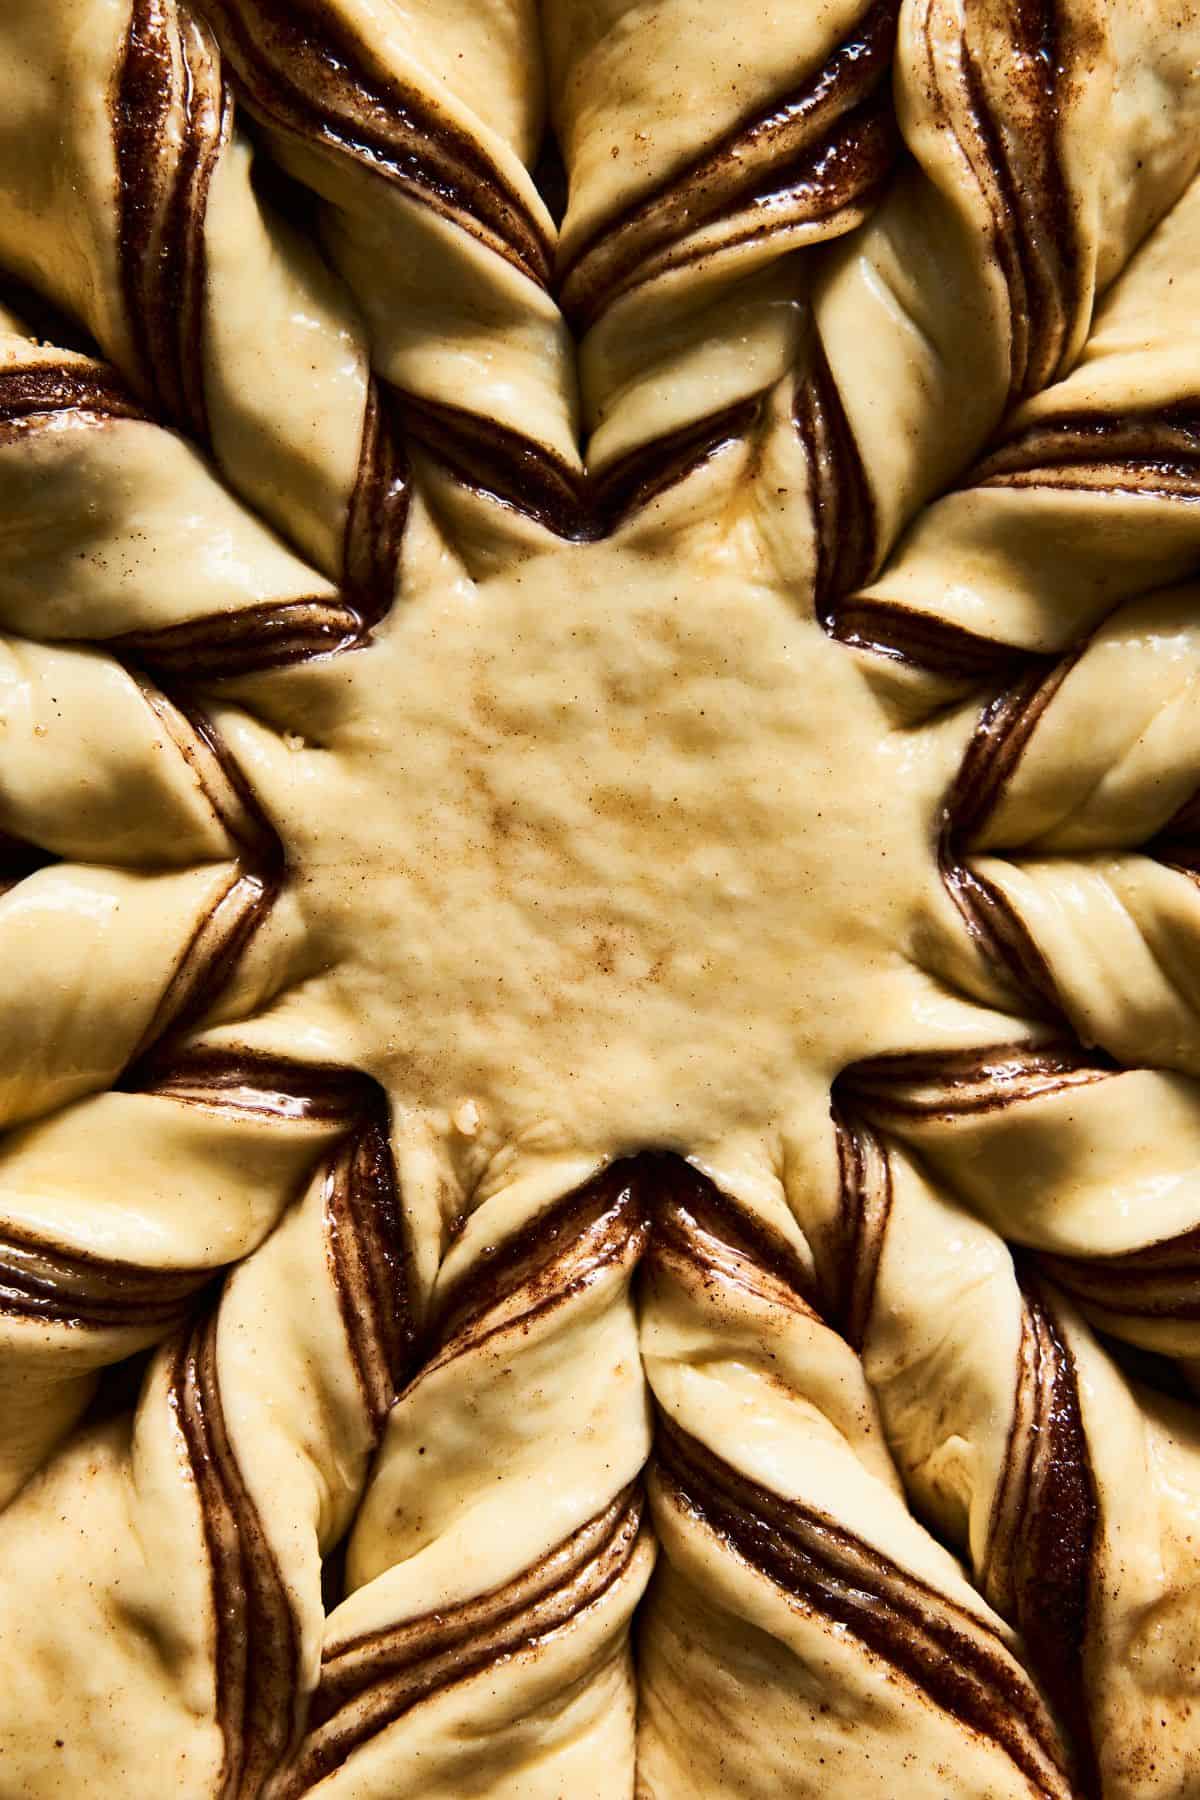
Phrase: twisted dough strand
[1058,1475]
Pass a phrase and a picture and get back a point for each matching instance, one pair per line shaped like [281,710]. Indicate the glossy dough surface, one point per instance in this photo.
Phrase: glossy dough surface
[599,909]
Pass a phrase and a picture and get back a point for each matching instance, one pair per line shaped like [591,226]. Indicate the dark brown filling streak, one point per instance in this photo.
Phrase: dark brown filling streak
[1039,1565]
[549,1260]
[164,167]
[257,1653]
[1004,939]
[948,1085]
[843,509]
[820,150]
[277,634]
[500,464]
[864,1209]
[371,1682]
[752,159]
[219,646]
[213,952]
[370,1260]
[955,1660]
[1150,452]
[378,510]
[303,72]
[222,935]
[41,1281]
[1005,727]
[258,1086]
[694,1222]
[1156,1281]
[904,635]
[642,474]
[33,398]
[844,516]
[1033,225]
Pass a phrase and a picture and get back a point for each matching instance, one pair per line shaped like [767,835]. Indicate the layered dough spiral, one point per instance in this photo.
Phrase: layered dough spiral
[598,895]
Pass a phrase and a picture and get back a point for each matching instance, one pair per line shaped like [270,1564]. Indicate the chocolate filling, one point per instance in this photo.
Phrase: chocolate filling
[953,1084]
[1005,727]
[864,1208]
[1003,938]
[33,397]
[695,1221]
[1034,236]
[263,1086]
[369,1257]
[1039,1566]
[1156,1281]
[905,635]
[41,1280]
[1150,452]
[839,491]
[497,461]
[573,504]
[212,953]
[638,477]
[168,133]
[806,158]
[369,1683]
[218,646]
[955,1660]
[378,510]
[257,1652]
[549,1258]
[306,72]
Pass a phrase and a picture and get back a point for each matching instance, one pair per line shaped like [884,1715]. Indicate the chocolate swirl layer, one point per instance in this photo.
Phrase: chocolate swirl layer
[307,72]
[371,1682]
[1157,1281]
[1007,124]
[171,118]
[256,1654]
[953,1658]
[41,1280]
[1039,1565]
[1152,451]
[808,155]
[961,1083]
[864,1205]
[43,395]
[369,1257]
